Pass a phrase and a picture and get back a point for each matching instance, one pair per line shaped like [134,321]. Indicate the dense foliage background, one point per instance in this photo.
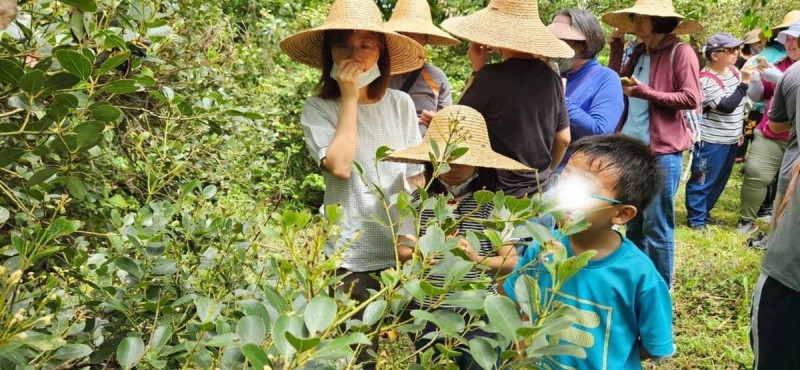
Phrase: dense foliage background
[145,147]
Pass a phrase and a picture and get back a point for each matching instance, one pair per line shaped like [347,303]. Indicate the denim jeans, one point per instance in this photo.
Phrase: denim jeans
[711,167]
[653,229]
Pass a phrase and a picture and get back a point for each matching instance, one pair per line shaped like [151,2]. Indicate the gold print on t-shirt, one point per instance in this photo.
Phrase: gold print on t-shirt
[589,328]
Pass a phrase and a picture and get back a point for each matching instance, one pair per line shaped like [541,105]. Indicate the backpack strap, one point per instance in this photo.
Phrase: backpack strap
[735,72]
[431,83]
[713,77]
[412,77]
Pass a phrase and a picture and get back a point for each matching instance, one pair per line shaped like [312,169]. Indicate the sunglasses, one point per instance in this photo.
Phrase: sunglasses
[727,50]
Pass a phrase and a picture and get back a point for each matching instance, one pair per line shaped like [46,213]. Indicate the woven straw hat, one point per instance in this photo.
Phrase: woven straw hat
[788,19]
[414,16]
[360,15]
[752,37]
[621,19]
[469,122]
[509,24]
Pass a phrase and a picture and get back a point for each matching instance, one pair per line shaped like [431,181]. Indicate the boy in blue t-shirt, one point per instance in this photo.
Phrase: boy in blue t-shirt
[625,310]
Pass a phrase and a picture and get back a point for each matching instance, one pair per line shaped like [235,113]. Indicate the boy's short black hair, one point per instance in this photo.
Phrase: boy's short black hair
[635,163]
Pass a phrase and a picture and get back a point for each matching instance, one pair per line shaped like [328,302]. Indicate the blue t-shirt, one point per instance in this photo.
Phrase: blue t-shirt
[622,301]
[637,125]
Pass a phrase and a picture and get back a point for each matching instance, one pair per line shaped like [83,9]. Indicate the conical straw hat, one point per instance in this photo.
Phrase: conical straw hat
[621,19]
[360,15]
[788,19]
[469,123]
[509,24]
[414,16]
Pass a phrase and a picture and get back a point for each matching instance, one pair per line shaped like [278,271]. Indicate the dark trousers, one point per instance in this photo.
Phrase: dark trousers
[358,285]
[775,325]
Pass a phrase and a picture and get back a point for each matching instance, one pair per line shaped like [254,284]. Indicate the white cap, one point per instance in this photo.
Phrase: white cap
[793,30]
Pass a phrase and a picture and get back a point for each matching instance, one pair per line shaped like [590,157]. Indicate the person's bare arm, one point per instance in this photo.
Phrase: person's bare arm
[405,247]
[560,144]
[341,152]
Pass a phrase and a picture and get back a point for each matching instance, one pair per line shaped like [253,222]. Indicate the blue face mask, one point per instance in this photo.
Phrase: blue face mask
[365,79]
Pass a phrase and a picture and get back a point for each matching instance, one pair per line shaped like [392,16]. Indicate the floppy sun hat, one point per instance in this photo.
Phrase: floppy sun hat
[793,31]
[471,124]
[509,24]
[414,16]
[788,19]
[621,19]
[355,15]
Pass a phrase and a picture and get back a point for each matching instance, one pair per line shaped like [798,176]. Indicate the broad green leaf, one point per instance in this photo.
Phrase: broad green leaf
[207,309]
[10,72]
[10,155]
[68,100]
[432,242]
[118,201]
[483,352]
[75,63]
[32,82]
[320,313]
[4,214]
[83,5]
[129,265]
[60,227]
[161,337]
[73,352]
[61,81]
[160,31]
[374,312]
[120,87]
[209,191]
[382,153]
[503,315]
[130,351]
[285,324]
[256,356]
[58,112]
[77,25]
[76,188]
[105,112]
[112,62]
[340,347]
[302,344]
[251,329]
[222,340]
[483,197]
[469,299]
[525,288]
[253,307]
[89,134]
[42,175]
[449,322]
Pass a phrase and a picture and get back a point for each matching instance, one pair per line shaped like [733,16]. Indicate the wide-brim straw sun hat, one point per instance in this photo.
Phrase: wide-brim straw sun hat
[356,15]
[788,19]
[752,37]
[414,16]
[621,19]
[509,24]
[468,124]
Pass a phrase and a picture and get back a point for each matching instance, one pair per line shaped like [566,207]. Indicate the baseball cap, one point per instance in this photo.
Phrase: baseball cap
[722,41]
[793,30]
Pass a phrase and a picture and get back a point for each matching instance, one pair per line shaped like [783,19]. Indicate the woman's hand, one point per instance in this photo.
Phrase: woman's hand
[616,34]
[471,253]
[478,54]
[347,77]
[628,89]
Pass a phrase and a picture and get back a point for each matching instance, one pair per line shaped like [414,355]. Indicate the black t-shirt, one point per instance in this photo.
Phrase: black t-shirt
[523,103]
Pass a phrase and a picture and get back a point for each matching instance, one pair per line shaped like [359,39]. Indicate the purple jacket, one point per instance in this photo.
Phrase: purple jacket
[672,90]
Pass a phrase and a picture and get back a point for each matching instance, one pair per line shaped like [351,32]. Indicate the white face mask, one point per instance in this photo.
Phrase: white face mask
[365,79]
[457,190]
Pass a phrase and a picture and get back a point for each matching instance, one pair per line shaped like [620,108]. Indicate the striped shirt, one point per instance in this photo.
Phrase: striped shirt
[466,206]
[391,122]
[718,127]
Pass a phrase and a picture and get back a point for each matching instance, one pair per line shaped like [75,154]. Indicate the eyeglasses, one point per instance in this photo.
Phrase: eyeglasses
[363,48]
